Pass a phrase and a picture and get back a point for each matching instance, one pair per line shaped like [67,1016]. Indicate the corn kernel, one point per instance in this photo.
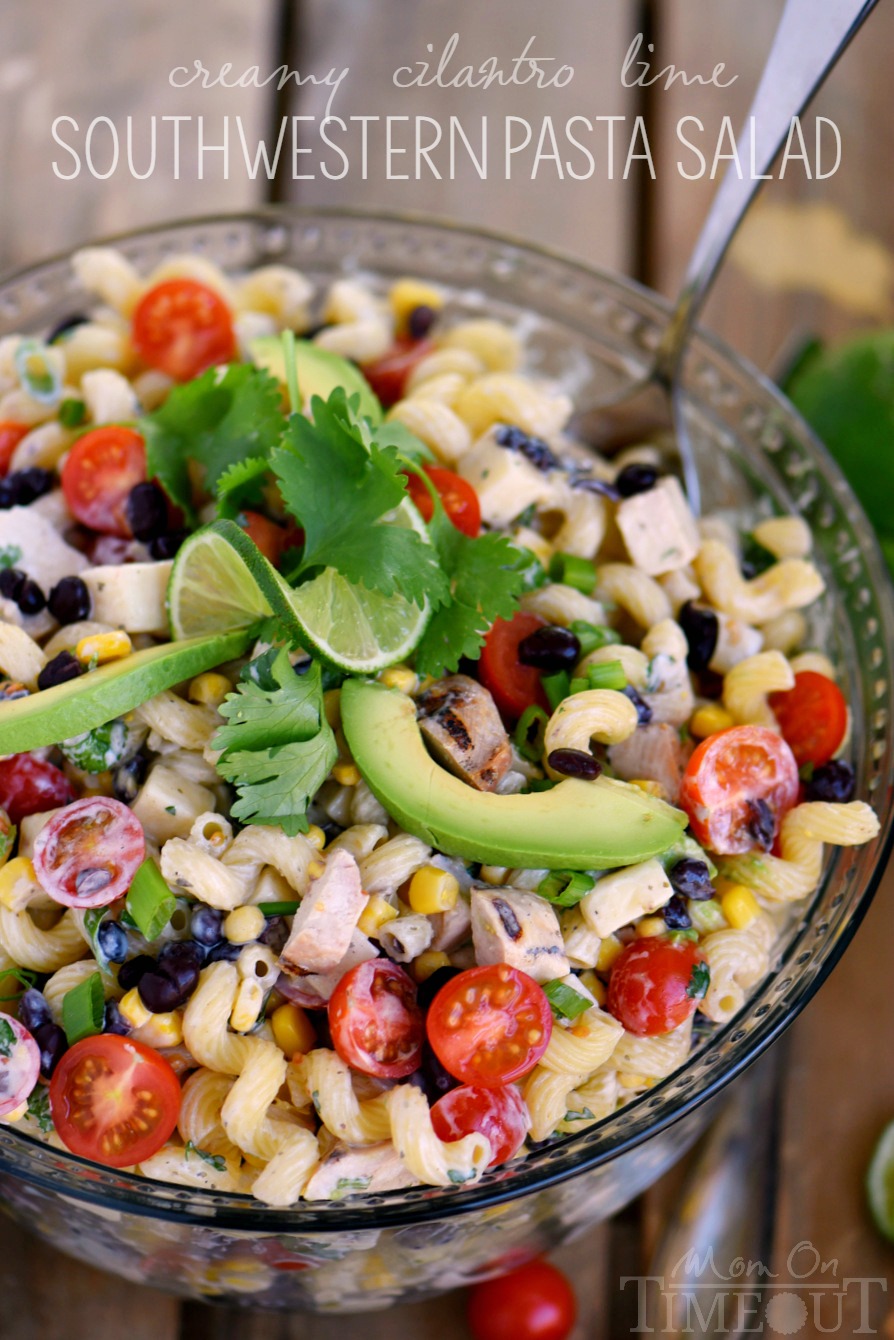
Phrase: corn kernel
[651,788]
[161,1030]
[316,837]
[648,927]
[17,879]
[407,294]
[402,678]
[377,913]
[247,1005]
[132,1009]
[609,950]
[103,647]
[495,874]
[739,906]
[429,961]
[594,986]
[628,1080]
[292,1030]
[332,706]
[433,890]
[709,720]
[316,868]
[346,774]
[15,1115]
[209,689]
[244,924]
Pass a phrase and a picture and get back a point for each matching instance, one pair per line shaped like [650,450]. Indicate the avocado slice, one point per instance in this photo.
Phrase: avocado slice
[319,372]
[82,704]
[575,826]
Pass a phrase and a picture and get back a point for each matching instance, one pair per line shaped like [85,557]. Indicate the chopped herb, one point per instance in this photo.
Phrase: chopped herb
[82,1009]
[699,981]
[564,1001]
[346,1185]
[585,1115]
[458,1177]
[7,1038]
[565,888]
[170,809]
[39,1108]
[10,555]
[216,1161]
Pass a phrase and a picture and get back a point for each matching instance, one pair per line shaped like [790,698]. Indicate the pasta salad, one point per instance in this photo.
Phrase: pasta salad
[387,783]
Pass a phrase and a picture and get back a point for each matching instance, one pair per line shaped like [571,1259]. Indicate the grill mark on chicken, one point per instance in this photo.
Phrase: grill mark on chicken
[509,919]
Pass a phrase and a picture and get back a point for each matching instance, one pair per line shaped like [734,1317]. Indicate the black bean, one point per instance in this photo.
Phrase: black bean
[676,915]
[761,823]
[65,325]
[574,763]
[421,320]
[34,1011]
[224,952]
[550,649]
[112,941]
[52,1043]
[129,973]
[166,546]
[23,486]
[31,599]
[159,992]
[274,934]
[431,1077]
[113,1020]
[691,878]
[69,600]
[11,582]
[146,510]
[636,478]
[709,684]
[92,879]
[8,496]
[589,484]
[534,449]
[432,985]
[701,628]
[834,781]
[179,963]
[206,925]
[643,710]
[128,777]
[63,667]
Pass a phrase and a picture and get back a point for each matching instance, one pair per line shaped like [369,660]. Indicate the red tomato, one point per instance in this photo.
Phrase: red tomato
[11,435]
[375,1022]
[114,1100]
[99,472]
[459,498]
[489,1026]
[535,1302]
[812,717]
[89,852]
[514,686]
[500,1114]
[19,1064]
[182,328]
[733,781]
[270,538]
[656,984]
[388,375]
[28,786]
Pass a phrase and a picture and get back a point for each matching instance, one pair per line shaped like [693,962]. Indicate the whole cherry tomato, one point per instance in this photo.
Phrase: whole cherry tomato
[28,785]
[535,1302]
[656,984]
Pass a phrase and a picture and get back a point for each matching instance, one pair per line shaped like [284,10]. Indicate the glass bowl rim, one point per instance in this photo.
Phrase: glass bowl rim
[128,1192]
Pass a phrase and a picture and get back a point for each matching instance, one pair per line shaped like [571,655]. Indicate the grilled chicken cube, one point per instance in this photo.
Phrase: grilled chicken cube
[316,988]
[654,752]
[347,1169]
[325,921]
[625,895]
[658,528]
[460,722]
[518,928]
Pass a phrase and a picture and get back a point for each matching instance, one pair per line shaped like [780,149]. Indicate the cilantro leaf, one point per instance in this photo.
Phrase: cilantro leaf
[273,705]
[215,421]
[241,485]
[276,785]
[699,981]
[7,1038]
[217,1161]
[344,488]
[39,1108]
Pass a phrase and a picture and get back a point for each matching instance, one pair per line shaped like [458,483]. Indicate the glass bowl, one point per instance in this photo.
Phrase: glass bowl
[591,330]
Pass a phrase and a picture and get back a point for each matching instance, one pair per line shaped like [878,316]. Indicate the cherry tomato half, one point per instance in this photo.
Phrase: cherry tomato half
[812,717]
[490,1025]
[535,1302]
[99,473]
[182,328]
[28,786]
[388,375]
[656,984]
[500,1114]
[514,686]
[19,1064]
[457,494]
[271,539]
[375,1022]
[734,782]
[114,1100]
[89,852]
[11,435]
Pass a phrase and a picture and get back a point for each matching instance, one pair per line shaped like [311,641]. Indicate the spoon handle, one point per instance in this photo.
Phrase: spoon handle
[811,36]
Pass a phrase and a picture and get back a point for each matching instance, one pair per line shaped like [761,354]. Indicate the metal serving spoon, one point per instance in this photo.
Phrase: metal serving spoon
[811,36]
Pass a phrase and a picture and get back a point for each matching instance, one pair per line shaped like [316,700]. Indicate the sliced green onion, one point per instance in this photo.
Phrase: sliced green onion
[82,1009]
[291,366]
[572,570]
[530,731]
[24,976]
[592,636]
[564,1001]
[40,370]
[578,685]
[72,413]
[565,888]
[149,903]
[279,909]
[556,687]
[682,937]
[608,675]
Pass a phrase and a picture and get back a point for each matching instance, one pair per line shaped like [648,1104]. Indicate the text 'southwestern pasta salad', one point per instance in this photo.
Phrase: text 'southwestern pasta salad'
[387,785]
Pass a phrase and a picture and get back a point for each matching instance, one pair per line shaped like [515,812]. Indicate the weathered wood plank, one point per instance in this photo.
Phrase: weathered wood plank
[593,217]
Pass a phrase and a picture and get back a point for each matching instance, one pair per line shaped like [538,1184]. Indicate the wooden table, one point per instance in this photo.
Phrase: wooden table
[831,245]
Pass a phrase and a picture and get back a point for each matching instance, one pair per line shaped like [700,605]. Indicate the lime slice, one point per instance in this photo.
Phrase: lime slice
[356,630]
[880,1183]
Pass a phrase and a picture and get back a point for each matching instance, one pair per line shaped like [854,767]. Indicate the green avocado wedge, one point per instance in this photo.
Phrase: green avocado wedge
[83,704]
[575,826]
[319,372]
